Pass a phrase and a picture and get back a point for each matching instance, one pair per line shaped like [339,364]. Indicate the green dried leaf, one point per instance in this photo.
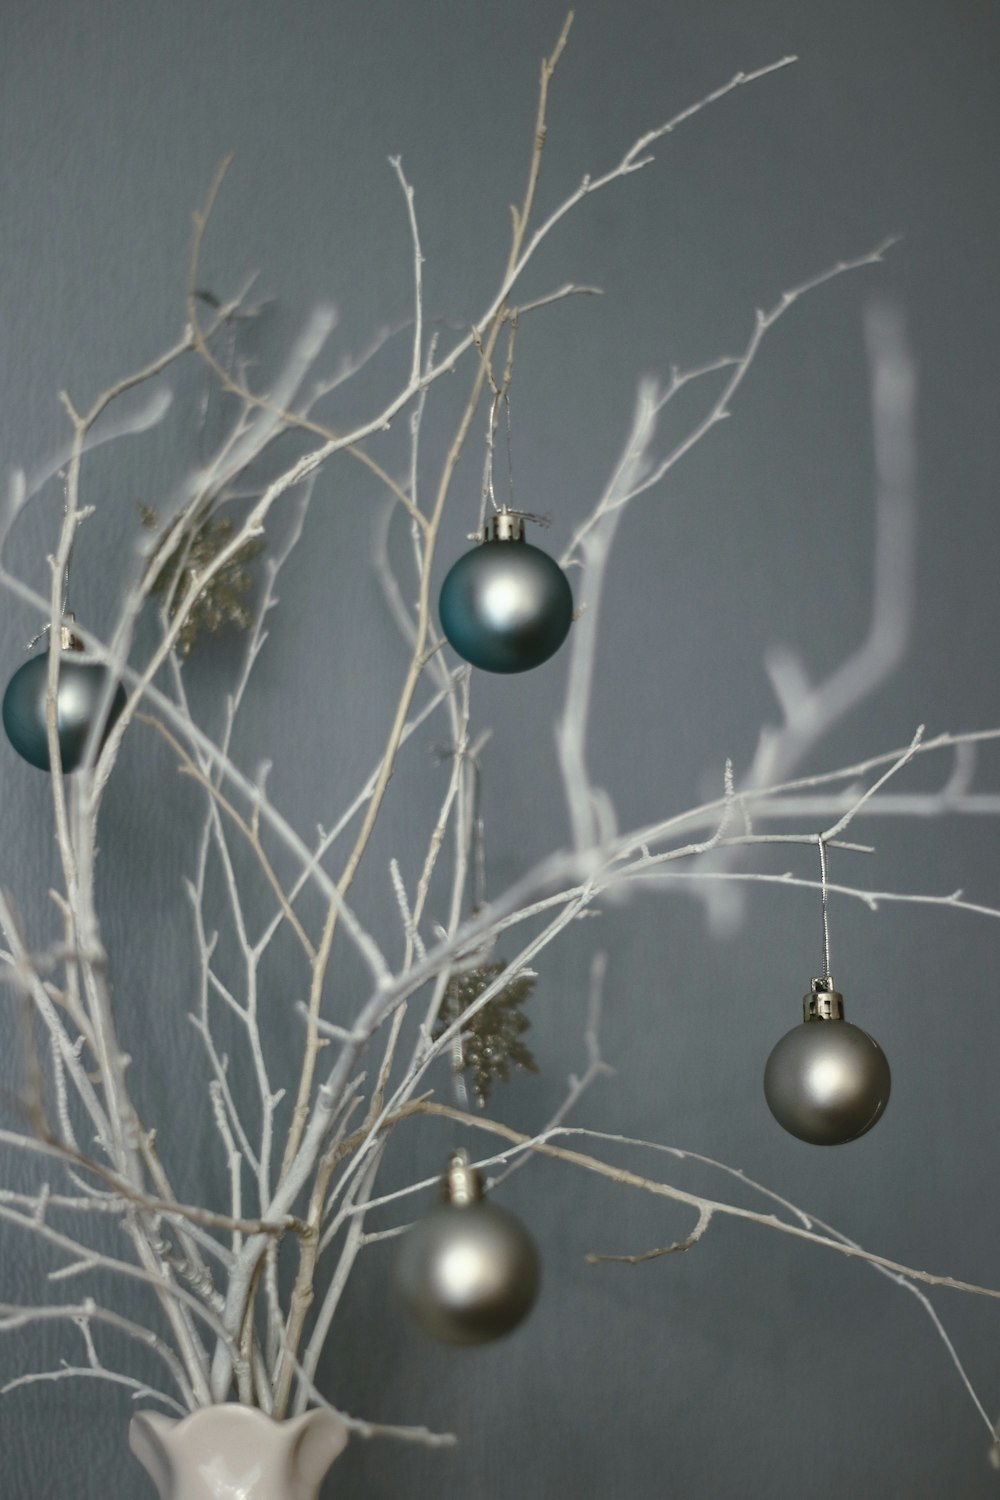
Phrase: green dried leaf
[223,602]
[491,1042]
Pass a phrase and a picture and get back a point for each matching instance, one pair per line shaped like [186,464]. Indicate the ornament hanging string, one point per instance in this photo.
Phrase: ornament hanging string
[476,858]
[825,895]
[501,399]
[485,1041]
[66,617]
[64,600]
[510,450]
[489,498]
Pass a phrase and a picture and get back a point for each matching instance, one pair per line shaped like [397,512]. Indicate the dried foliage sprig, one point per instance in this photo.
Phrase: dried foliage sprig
[225,599]
[491,1039]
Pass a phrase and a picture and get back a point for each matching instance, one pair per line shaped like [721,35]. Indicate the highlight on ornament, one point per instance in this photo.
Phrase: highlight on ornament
[467,1271]
[826,1081]
[81,689]
[506,606]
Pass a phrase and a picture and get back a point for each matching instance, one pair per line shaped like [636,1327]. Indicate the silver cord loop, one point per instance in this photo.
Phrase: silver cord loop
[825,894]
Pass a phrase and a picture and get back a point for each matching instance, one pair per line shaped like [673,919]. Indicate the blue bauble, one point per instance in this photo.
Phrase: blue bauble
[506,606]
[81,687]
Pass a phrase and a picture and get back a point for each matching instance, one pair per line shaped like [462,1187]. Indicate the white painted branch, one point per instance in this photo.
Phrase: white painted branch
[14,1316]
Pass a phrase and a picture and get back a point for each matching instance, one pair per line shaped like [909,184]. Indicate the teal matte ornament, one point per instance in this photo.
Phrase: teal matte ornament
[81,688]
[506,606]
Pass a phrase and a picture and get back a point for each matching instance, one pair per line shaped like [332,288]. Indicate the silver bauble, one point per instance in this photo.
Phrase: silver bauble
[467,1271]
[826,1082]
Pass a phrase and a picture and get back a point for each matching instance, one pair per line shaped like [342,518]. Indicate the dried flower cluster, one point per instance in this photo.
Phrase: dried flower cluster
[491,1040]
[224,599]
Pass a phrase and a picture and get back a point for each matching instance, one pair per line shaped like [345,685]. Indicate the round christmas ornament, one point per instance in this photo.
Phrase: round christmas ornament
[82,686]
[506,606]
[826,1081]
[467,1271]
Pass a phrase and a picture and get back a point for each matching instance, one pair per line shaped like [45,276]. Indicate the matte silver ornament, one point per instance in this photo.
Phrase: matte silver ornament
[467,1271]
[826,1081]
[506,606]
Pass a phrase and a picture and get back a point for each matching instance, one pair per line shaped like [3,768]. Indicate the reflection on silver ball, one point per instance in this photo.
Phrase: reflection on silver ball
[467,1273]
[827,1082]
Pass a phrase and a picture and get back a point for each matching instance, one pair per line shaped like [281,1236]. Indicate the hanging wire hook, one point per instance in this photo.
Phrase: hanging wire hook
[476,857]
[510,452]
[488,499]
[827,979]
[491,439]
[474,837]
[64,598]
[500,402]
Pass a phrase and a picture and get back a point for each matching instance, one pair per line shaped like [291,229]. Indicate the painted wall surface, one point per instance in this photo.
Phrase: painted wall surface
[754,1367]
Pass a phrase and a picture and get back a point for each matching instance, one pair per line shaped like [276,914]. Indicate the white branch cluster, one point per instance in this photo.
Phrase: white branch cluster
[302,1170]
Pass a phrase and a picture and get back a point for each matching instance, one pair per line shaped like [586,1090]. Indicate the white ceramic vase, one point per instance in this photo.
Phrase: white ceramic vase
[233,1452]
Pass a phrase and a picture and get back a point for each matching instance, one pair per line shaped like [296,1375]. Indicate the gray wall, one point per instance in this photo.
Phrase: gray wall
[753,1368]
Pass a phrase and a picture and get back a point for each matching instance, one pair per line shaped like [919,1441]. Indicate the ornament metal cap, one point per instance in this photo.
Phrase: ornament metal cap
[461,1184]
[823,1002]
[68,638]
[504,526]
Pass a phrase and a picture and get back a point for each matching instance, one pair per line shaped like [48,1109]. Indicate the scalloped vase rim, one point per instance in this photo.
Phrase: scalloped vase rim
[230,1451]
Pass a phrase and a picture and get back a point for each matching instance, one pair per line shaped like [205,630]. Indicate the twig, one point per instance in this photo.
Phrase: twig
[704,1220]
[708,1205]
